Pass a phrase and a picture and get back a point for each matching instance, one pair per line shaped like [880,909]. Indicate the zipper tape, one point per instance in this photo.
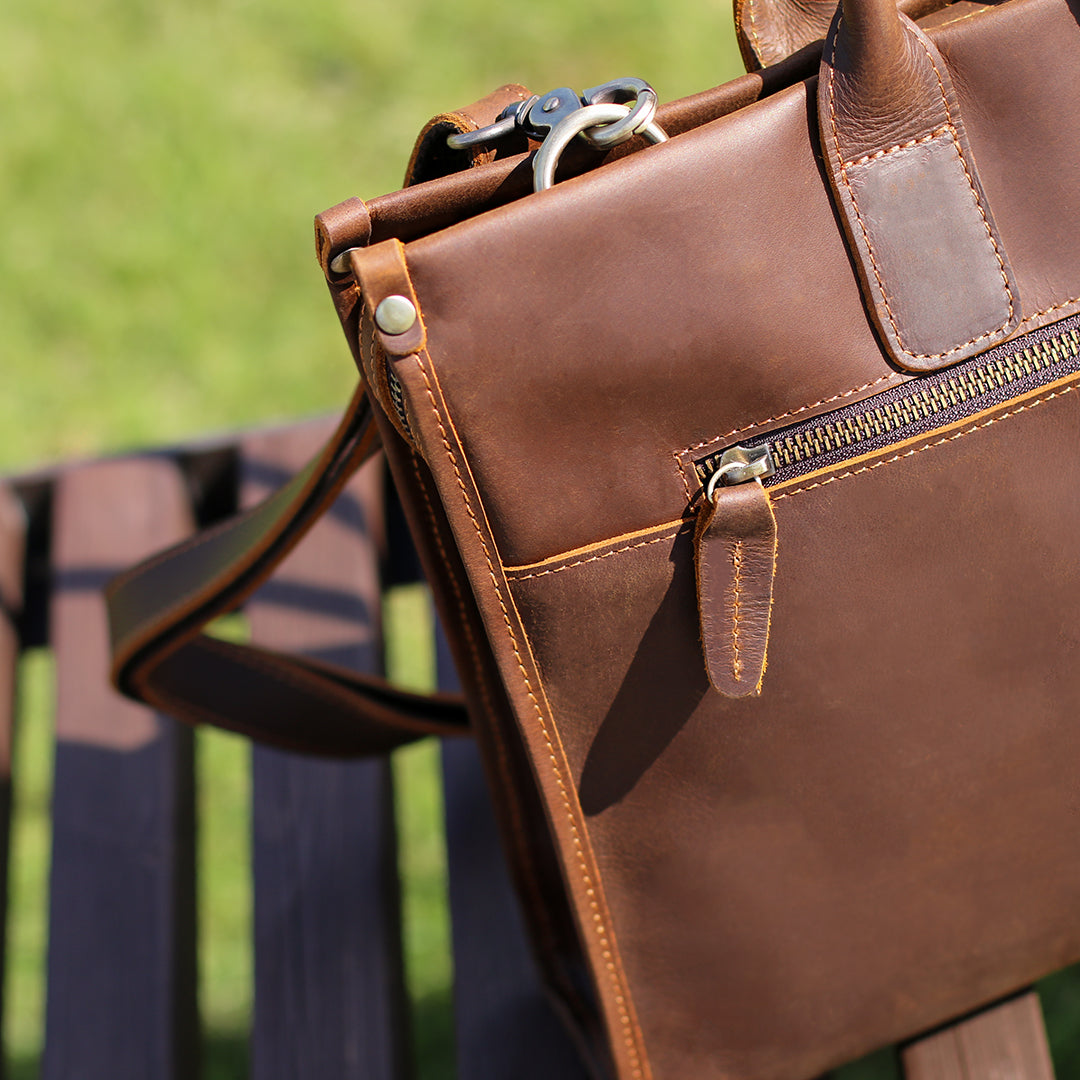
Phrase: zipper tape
[918,407]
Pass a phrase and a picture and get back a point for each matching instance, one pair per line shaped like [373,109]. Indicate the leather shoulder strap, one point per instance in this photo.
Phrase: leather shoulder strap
[158,610]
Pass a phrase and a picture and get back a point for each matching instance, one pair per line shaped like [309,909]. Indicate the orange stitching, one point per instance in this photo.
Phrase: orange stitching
[737,560]
[862,223]
[929,137]
[517,827]
[926,446]
[593,558]
[1048,311]
[607,954]
[969,15]
[754,34]
[678,454]
[680,472]
[792,412]
[452,577]
[679,465]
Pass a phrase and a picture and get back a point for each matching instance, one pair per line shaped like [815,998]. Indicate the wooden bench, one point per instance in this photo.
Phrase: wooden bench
[329,992]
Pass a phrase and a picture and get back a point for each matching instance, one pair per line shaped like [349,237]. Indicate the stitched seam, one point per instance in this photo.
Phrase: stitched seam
[918,140]
[737,562]
[754,33]
[679,454]
[516,824]
[969,15]
[793,412]
[587,550]
[1049,311]
[470,639]
[680,472]
[594,558]
[630,1040]
[866,235]
[926,446]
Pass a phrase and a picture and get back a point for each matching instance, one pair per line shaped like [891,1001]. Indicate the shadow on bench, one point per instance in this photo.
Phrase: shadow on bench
[330,999]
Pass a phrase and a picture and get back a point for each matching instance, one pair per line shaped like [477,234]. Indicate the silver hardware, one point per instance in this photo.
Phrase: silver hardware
[395,314]
[585,120]
[626,91]
[505,125]
[341,264]
[534,117]
[539,118]
[739,464]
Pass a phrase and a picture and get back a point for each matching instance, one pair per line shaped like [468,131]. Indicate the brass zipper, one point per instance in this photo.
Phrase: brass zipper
[735,535]
[914,409]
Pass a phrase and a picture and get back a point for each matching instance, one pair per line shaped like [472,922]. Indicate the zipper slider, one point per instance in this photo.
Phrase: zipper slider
[737,465]
[735,563]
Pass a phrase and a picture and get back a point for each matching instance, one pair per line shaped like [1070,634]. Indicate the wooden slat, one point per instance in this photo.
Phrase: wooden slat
[504,1023]
[1007,1042]
[329,997]
[121,990]
[12,553]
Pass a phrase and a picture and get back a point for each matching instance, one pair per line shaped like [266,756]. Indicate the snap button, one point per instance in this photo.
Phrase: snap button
[395,315]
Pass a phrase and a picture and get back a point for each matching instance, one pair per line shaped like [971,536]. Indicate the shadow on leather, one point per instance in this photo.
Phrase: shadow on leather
[649,711]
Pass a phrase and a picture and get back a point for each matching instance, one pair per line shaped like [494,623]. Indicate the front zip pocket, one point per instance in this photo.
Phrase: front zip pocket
[735,538]
[918,408]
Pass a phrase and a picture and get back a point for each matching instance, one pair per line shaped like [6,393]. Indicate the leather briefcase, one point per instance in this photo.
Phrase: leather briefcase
[745,470]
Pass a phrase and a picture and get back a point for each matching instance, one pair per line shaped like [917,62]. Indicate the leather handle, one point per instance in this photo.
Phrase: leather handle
[157,612]
[769,31]
[935,277]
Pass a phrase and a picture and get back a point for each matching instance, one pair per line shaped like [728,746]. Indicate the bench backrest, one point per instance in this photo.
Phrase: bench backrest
[329,988]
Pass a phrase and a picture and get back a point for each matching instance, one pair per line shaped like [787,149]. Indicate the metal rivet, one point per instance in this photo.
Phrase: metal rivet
[395,315]
[550,105]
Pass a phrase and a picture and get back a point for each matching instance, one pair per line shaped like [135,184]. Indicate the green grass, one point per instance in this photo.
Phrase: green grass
[162,163]
[160,167]
[159,170]
[24,987]
[410,661]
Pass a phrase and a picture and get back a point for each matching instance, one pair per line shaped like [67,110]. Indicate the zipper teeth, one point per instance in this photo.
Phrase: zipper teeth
[397,396]
[912,409]
[950,392]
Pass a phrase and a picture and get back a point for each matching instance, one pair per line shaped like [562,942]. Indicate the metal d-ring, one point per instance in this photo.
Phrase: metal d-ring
[579,121]
[636,93]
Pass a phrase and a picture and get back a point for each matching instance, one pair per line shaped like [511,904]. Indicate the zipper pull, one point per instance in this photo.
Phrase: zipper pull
[735,562]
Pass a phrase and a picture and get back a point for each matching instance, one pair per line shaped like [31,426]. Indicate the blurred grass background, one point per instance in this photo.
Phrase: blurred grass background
[160,165]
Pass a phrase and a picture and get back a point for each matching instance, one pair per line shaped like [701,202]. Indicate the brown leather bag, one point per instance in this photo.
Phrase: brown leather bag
[746,472]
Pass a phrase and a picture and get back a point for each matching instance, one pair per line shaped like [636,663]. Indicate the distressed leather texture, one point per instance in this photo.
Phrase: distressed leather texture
[932,262]
[770,31]
[735,564]
[883,839]
[432,158]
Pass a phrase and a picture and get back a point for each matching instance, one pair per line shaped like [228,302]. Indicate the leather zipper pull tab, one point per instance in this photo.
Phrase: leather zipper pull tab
[735,562]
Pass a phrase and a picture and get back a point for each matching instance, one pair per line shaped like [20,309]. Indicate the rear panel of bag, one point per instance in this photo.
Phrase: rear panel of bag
[886,836]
